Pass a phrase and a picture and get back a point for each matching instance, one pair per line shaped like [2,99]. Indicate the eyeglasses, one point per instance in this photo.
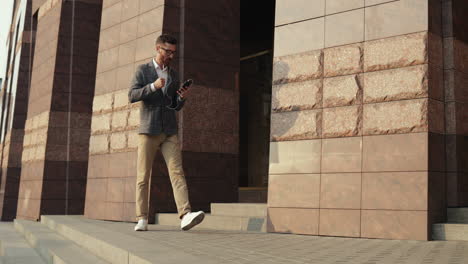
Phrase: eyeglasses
[168,51]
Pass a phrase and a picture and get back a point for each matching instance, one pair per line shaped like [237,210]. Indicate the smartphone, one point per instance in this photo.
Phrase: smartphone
[187,83]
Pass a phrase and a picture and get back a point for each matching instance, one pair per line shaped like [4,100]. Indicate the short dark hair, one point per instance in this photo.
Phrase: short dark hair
[166,38]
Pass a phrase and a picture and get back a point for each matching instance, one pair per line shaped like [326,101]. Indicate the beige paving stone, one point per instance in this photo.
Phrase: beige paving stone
[343,121]
[100,122]
[298,67]
[296,125]
[302,156]
[134,117]
[395,52]
[297,96]
[343,60]
[132,139]
[396,117]
[341,91]
[118,141]
[103,102]
[99,144]
[119,119]
[313,40]
[396,84]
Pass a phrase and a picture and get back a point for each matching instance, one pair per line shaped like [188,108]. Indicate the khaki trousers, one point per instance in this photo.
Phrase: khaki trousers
[148,145]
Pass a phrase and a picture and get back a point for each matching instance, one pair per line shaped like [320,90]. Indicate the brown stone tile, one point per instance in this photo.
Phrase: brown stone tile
[122,165]
[127,54]
[114,211]
[333,223]
[297,221]
[57,190]
[340,191]
[343,121]
[130,188]
[147,5]
[31,189]
[111,15]
[294,190]
[436,116]
[95,210]
[342,91]
[343,60]
[98,166]
[395,52]
[436,82]
[395,190]
[296,125]
[129,213]
[437,191]
[301,156]
[150,22]
[396,117]
[342,154]
[408,225]
[115,190]
[437,152]
[28,209]
[396,84]
[298,67]
[401,152]
[96,189]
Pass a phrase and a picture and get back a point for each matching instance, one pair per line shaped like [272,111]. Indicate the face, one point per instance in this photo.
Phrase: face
[165,52]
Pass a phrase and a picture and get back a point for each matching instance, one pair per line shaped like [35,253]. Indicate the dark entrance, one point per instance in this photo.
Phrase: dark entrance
[256,57]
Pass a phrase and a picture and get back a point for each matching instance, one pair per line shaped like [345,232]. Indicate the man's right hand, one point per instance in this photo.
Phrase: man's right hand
[159,83]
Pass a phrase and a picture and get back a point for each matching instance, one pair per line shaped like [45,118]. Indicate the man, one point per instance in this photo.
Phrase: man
[156,85]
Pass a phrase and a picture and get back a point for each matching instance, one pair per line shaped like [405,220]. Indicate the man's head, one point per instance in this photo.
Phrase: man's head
[165,49]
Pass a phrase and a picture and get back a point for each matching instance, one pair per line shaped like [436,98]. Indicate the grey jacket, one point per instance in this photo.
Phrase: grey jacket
[158,109]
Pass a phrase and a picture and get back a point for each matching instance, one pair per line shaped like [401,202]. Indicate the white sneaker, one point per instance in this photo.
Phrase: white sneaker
[142,225]
[190,220]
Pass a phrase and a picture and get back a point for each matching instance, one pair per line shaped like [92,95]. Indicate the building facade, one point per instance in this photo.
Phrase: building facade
[351,113]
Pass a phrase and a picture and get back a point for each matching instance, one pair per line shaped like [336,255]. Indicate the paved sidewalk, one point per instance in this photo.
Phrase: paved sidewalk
[232,247]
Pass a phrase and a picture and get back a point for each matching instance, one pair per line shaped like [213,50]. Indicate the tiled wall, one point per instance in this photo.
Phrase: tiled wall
[358,119]
[207,48]
[56,138]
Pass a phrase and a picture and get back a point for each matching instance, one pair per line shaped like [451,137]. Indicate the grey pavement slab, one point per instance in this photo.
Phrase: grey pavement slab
[165,244]
[14,248]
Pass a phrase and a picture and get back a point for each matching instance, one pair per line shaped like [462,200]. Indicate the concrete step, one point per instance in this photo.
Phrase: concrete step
[14,249]
[52,247]
[115,244]
[239,209]
[449,231]
[218,222]
[457,215]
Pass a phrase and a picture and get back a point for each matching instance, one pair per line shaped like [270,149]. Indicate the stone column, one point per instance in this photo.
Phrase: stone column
[358,119]
[456,100]
[16,110]
[55,148]
[207,48]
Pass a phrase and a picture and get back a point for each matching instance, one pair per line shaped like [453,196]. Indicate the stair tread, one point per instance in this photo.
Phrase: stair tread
[112,243]
[52,245]
[14,248]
